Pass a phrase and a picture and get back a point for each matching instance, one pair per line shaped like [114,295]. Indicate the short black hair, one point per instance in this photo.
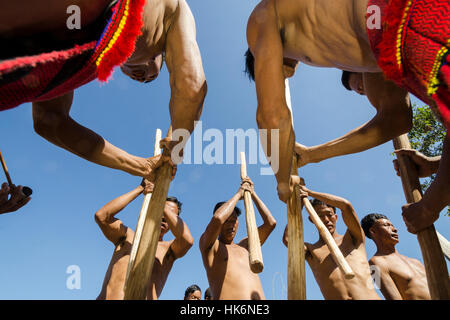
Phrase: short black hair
[368,221]
[249,65]
[176,201]
[219,204]
[207,294]
[318,203]
[191,289]
[345,79]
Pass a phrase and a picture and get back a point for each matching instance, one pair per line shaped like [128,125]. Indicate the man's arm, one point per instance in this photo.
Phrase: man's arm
[393,118]
[424,213]
[209,237]
[348,213]
[183,239]
[273,113]
[52,121]
[187,78]
[387,285]
[15,202]
[113,228]
[425,166]
[269,221]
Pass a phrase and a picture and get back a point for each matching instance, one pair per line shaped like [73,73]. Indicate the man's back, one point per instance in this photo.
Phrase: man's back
[407,275]
[229,273]
[331,279]
[314,31]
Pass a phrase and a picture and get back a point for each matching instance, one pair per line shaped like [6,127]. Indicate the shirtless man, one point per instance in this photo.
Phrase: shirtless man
[329,277]
[226,263]
[17,199]
[323,33]
[122,238]
[402,278]
[168,29]
[437,196]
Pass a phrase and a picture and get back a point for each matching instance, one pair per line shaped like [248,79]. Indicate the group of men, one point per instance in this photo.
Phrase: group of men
[376,43]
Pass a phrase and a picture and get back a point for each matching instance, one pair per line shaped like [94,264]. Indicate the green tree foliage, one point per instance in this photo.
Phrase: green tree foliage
[427,136]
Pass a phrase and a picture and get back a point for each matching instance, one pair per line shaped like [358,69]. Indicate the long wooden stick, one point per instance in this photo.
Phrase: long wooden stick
[142,213]
[296,246]
[5,169]
[336,253]
[254,243]
[138,280]
[435,266]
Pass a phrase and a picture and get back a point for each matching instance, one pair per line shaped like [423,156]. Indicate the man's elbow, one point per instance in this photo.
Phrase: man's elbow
[395,124]
[266,118]
[191,89]
[100,217]
[272,223]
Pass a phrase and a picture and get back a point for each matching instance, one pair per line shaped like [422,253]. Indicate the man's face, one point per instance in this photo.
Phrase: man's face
[289,67]
[196,295]
[168,207]
[143,71]
[229,228]
[355,81]
[328,217]
[384,231]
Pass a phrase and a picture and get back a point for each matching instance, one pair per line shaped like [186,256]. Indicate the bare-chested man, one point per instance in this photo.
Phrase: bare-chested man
[122,238]
[226,263]
[401,277]
[168,34]
[281,33]
[329,277]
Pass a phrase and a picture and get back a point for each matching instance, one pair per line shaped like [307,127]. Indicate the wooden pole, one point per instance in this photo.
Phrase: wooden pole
[5,169]
[254,243]
[138,280]
[336,253]
[433,258]
[142,213]
[296,246]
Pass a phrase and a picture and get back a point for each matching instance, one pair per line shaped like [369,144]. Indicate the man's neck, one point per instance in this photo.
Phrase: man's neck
[385,249]
[226,241]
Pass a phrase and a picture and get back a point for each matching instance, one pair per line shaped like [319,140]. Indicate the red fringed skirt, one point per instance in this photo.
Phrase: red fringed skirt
[412,49]
[48,75]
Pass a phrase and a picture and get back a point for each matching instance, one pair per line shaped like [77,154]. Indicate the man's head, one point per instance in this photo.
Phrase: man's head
[377,227]
[141,66]
[326,213]
[229,228]
[172,205]
[289,66]
[193,293]
[208,295]
[353,81]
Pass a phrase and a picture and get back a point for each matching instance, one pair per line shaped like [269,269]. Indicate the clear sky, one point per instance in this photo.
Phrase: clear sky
[57,228]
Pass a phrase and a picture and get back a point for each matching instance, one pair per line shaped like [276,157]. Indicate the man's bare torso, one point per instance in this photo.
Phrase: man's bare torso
[229,274]
[51,16]
[114,281]
[408,275]
[323,33]
[330,278]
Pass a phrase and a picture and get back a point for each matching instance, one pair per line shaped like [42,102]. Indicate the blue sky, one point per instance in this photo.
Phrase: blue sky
[57,229]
